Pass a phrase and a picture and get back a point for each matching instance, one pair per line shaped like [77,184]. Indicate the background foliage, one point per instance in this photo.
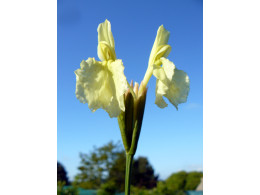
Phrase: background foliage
[103,169]
[107,165]
[62,174]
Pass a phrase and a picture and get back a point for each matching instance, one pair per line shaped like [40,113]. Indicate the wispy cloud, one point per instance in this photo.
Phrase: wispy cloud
[192,167]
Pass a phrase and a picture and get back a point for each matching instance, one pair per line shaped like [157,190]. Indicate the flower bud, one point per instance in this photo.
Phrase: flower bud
[130,121]
[125,120]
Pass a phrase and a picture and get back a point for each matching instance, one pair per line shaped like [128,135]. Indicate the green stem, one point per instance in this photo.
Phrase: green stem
[129,160]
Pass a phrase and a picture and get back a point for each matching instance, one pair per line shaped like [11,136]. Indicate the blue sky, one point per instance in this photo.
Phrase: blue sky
[172,140]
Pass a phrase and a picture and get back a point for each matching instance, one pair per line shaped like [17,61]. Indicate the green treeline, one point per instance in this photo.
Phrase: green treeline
[103,169]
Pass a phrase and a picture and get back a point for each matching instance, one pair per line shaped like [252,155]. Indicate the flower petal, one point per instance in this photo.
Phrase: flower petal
[160,47]
[105,33]
[117,70]
[160,91]
[171,83]
[106,43]
[96,86]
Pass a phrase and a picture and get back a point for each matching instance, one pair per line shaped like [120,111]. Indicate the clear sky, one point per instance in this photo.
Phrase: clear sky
[172,140]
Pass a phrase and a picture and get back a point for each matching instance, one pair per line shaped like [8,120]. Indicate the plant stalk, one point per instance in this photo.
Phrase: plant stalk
[129,161]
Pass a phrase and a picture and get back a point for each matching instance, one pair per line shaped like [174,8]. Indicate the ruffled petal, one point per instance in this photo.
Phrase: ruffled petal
[171,83]
[160,91]
[160,47]
[117,70]
[106,43]
[96,86]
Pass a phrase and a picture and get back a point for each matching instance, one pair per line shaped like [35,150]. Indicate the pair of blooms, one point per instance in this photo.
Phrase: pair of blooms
[102,84]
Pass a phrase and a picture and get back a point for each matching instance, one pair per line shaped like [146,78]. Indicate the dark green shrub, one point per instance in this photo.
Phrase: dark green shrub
[108,188]
[177,181]
[192,181]
[66,190]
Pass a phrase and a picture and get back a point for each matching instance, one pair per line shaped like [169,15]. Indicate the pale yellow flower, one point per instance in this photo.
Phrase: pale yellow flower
[102,84]
[106,43]
[160,46]
[171,83]
[160,49]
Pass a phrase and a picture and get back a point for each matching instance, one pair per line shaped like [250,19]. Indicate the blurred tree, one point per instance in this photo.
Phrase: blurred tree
[106,165]
[117,172]
[108,188]
[95,167]
[143,174]
[176,181]
[62,174]
[69,190]
[193,179]
[184,181]
[162,189]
